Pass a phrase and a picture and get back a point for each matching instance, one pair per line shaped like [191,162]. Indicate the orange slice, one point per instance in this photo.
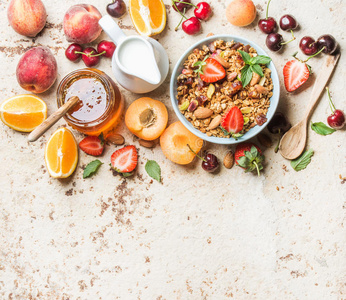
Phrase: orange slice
[23,112]
[148,16]
[61,154]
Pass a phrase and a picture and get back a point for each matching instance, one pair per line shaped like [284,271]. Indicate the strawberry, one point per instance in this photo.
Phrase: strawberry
[296,73]
[92,145]
[125,160]
[233,121]
[249,157]
[210,70]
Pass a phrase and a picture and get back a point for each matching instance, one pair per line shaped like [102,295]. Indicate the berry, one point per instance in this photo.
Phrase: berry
[191,26]
[203,11]
[106,48]
[90,57]
[117,8]
[125,160]
[308,45]
[249,157]
[278,124]
[296,73]
[267,25]
[337,119]
[328,42]
[181,6]
[288,22]
[73,52]
[274,41]
[233,121]
[210,163]
[92,145]
[210,70]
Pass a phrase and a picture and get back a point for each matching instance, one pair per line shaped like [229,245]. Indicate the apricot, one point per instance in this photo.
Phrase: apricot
[37,70]
[241,12]
[27,17]
[146,118]
[81,24]
[174,144]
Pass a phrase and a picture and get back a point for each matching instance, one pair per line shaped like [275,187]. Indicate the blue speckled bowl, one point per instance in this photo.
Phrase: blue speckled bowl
[274,100]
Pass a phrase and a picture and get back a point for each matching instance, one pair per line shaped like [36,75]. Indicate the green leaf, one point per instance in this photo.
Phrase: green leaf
[245,56]
[91,168]
[128,174]
[257,69]
[254,151]
[246,75]
[302,161]
[321,128]
[262,60]
[153,169]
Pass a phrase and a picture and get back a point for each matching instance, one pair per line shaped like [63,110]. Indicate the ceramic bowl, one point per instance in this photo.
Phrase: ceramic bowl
[274,100]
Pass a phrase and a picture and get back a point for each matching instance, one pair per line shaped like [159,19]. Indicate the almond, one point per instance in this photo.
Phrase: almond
[147,144]
[215,122]
[255,79]
[210,34]
[261,89]
[232,76]
[116,139]
[203,113]
[228,161]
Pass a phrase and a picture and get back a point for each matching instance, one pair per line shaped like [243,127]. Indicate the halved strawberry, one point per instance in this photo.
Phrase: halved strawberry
[296,73]
[233,121]
[125,160]
[249,157]
[92,145]
[210,70]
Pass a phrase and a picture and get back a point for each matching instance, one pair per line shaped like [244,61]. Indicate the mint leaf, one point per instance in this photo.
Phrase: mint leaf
[245,56]
[246,75]
[261,60]
[257,69]
[91,168]
[321,128]
[302,161]
[153,169]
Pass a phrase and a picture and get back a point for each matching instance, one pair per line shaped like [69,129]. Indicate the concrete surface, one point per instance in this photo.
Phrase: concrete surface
[196,235]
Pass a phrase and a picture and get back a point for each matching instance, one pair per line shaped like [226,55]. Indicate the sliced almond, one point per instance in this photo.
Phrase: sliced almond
[261,89]
[203,113]
[255,79]
[215,122]
[228,161]
[147,144]
[116,139]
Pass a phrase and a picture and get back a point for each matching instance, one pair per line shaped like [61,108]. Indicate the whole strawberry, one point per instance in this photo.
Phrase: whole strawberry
[249,157]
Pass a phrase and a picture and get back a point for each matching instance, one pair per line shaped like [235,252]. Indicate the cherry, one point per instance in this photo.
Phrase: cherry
[106,48]
[337,119]
[91,57]
[73,52]
[117,8]
[267,25]
[203,11]
[181,5]
[308,45]
[288,22]
[274,41]
[328,42]
[278,125]
[210,163]
[191,26]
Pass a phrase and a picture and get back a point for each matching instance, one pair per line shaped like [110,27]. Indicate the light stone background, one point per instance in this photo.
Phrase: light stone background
[196,235]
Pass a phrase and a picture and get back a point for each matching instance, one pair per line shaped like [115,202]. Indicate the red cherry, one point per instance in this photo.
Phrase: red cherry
[191,26]
[73,52]
[106,48]
[267,25]
[203,11]
[337,119]
[91,57]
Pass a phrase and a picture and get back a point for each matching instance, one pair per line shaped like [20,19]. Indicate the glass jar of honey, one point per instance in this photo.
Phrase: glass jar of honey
[101,103]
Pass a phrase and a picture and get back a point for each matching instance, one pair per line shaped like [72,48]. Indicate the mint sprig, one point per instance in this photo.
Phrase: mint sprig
[91,168]
[153,169]
[321,128]
[302,161]
[252,65]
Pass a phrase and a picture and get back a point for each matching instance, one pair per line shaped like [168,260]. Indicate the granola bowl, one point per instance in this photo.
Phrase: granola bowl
[200,106]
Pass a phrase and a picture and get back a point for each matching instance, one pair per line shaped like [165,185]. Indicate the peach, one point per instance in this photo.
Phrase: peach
[37,70]
[241,12]
[146,118]
[174,144]
[81,24]
[27,17]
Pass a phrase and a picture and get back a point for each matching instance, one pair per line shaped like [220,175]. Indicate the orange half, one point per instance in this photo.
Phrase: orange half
[61,153]
[148,16]
[23,112]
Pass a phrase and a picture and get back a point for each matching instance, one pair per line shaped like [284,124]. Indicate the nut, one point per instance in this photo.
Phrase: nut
[184,105]
[193,105]
[210,34]
[261,89]
[211,90]
[264,140]
[215,122]
[203,113]
[116,139]
[228,161]
[147,144]
[255,79]
[232,76]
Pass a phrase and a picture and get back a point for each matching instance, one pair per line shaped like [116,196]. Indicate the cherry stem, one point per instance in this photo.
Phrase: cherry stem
[331,104]
[91,53]
[293,38]
[257,168]
[181,20]
[267,9]
[173,3]
[314,54]
[278,144]
[196,153]
[188,3]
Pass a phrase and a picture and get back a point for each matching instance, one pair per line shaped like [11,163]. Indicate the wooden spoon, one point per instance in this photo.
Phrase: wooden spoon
[293,142]
[52,119]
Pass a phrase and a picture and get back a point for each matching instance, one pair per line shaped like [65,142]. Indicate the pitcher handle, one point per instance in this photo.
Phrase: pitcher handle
[112,29]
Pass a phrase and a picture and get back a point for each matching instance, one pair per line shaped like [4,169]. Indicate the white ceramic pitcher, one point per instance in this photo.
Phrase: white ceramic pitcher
[140,64]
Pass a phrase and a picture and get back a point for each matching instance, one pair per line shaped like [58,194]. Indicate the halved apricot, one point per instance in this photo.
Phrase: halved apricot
[146,118]
[175,142]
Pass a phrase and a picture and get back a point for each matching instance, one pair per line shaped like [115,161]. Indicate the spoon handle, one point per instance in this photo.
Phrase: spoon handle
[321,81]
[52,119]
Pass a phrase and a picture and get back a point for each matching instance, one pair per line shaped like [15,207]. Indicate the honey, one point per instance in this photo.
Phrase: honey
[101,103]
